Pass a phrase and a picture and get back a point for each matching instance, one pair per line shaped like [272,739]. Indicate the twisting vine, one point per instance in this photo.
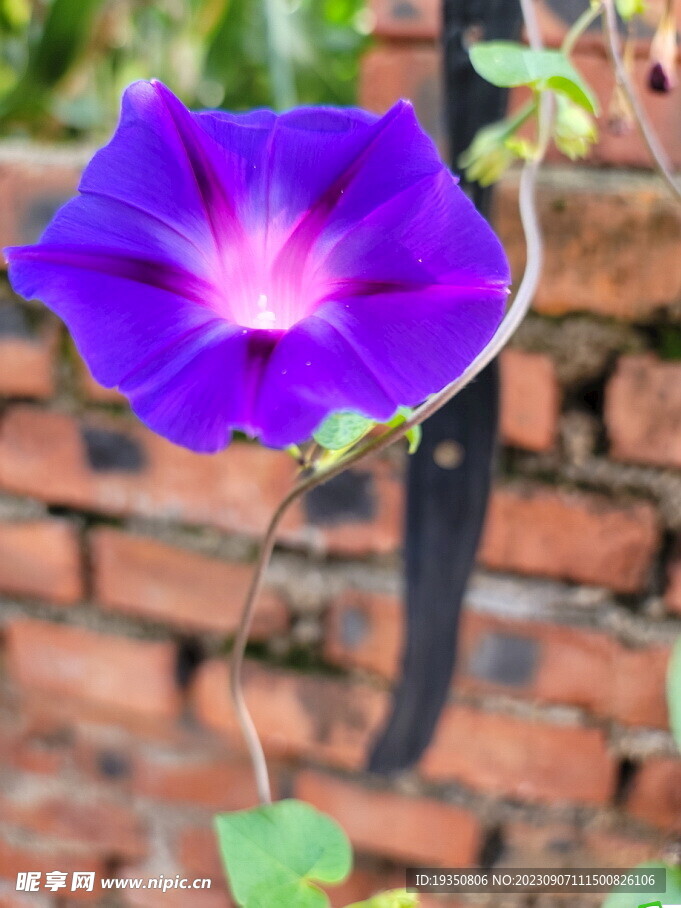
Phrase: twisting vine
[317,476]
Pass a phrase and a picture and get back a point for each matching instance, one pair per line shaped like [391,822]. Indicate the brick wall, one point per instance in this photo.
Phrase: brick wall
[123,561]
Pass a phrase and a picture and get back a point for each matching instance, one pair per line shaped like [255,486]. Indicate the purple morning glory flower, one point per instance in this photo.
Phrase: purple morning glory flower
[260,271]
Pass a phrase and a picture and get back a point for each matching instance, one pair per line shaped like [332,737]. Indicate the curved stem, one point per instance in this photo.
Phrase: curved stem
[648,134]
[515,314]
[578,28]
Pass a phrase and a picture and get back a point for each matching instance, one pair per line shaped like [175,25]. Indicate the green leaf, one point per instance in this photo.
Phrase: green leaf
[505,63]
[674,692]
[414,434]
[342,429]
[672,896]
[272,854]
[396,898]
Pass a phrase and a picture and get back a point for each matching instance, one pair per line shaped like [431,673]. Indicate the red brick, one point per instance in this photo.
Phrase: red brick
[643,411]
[405,70]
[576,536]
[530,400]
[40,558]
[595,226]
[44,454]
[662,109]
[114,673]
[540,845]
[615,849]
[673,592]
[364,630]
[655,795]
[554,27]
[300,715]
[27,364]
[141,576]
[46,855]
[530,760]
[555,664]
[568,665]
[377,822]
[407,18]
[376,527]
[196,849]
[30,187]
[218,783]
[106,828]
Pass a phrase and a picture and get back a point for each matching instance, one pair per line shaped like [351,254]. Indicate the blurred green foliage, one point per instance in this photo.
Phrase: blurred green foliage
[65,63]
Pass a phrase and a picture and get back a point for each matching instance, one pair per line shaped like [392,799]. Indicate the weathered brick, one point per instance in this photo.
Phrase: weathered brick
[576,536]
[414,19]
[32,187]
[530,400]
[539,845]
[643,411]
[117,466]
[613,848]
[41,559]
[555,663]
[563,845]
[141,576]
[217,782]
[595,225]
[299,715]
[196,849]
[664,114]
[530,760]
[404,70]
[440,834]
[113,673]
[655,794]
[105,827]
[536,660]
[44,855]
[673,592]
[364,630]
[356,513]
[27,367]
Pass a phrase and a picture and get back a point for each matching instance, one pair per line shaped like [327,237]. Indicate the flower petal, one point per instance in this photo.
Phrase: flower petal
[205,386]
[118,319]
[146,166]
[428,233]
[372,354]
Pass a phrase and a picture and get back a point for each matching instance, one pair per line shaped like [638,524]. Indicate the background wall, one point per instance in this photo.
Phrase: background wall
[123,561]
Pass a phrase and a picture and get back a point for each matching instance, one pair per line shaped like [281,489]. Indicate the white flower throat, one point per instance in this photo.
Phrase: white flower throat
[265,318]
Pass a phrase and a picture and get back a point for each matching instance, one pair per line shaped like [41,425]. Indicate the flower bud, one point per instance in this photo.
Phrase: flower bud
[487,157]
[574,129]
[662,73]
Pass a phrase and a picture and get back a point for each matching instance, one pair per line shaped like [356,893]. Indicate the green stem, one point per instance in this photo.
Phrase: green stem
[580,26]
[513,317]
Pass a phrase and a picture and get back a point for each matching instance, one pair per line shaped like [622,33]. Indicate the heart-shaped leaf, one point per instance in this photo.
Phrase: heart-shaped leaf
[342,429]
[506,64]
[274,853]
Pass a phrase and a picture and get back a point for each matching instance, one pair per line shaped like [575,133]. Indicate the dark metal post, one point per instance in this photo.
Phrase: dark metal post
[449,477]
